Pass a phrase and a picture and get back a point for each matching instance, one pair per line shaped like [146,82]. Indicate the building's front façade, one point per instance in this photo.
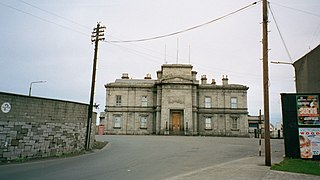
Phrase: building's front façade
[175,104]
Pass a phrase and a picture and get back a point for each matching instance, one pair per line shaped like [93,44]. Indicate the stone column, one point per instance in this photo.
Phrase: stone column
[194,110]
[158,109]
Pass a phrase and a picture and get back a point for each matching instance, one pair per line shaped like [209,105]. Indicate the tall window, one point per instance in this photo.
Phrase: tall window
[234,123]
[234,102]
[143,122]
[144,101]
[208,123]
[207,102]
[118,100]
[117,122]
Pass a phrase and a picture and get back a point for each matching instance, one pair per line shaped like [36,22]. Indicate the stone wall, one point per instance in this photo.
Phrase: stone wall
[32,127]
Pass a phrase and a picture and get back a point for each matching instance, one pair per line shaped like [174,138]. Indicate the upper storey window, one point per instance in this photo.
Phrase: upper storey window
[144,101]
[118,100]
[207,102]
[234,102]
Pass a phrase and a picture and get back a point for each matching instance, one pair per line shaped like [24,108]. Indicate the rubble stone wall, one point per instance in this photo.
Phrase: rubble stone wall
[32,127]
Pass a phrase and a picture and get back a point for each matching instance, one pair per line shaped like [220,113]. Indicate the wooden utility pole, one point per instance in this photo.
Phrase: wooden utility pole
[97,35]
[266,81]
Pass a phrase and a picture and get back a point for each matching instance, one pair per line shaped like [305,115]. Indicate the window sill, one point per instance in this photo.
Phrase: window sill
[235,129]
[143,128]
[116,127]
[208,129]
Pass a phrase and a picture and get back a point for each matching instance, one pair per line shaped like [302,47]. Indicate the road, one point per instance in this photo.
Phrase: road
[141,157]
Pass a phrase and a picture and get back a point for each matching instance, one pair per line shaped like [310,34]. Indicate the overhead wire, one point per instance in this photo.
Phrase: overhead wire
[277,26]
[54,14]
[313,37]
[199,66]
[188,29]
[303,11]
[140,46]
[306,12]
[43,19]
[136,52]
[113,42]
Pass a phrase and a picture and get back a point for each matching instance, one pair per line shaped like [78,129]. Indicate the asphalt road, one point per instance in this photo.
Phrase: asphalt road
[141,157]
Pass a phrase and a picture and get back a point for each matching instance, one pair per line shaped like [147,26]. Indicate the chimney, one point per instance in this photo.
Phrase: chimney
[203,79]
[194,75]
[225,80]
[125,76]
[159,75]
[148,76]
[213,81]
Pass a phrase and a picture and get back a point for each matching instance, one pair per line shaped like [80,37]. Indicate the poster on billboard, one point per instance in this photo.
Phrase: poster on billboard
[308,109]
[309,142]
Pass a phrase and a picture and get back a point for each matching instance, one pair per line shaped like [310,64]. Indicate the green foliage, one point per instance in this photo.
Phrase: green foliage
[298,166]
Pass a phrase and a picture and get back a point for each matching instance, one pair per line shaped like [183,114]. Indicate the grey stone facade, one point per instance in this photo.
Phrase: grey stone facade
[32,127]
[175,104]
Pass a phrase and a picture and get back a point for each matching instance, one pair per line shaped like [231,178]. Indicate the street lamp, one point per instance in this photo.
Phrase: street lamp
[34,83]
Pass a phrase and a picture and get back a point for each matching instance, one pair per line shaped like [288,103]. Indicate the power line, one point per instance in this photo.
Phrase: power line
[313,37]
[282,39]
[197,65]
[306,12]
[136,52]
[51,13]
[188,29]
[160,54]
[40,18]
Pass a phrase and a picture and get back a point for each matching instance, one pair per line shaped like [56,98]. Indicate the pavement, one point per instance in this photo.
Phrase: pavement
[244,169]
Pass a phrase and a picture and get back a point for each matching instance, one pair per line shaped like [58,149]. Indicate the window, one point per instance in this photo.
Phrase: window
[234,103]
[117,122]
[118,100]
[208,123]
[207,102]
[144,101]
[143,122]
[234,123]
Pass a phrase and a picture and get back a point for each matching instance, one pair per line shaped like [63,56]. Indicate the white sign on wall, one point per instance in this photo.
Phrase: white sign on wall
[5,107]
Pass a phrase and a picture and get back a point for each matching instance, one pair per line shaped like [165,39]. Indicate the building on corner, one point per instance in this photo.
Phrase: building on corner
[307,72]
[175,103]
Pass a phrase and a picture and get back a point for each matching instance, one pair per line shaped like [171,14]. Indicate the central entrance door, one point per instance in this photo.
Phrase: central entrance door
[176,119]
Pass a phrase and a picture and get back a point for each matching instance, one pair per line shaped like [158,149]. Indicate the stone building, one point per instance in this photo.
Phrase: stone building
[175,104]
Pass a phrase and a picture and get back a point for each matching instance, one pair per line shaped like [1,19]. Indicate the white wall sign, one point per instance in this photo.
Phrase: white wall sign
[5,107]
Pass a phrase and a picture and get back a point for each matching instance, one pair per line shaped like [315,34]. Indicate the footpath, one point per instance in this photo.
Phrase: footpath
[244,169]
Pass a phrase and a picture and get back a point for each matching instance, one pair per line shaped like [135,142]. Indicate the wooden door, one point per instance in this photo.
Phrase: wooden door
[176,117]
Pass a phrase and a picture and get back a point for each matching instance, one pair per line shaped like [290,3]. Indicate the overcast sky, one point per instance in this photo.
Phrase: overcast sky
[50,40]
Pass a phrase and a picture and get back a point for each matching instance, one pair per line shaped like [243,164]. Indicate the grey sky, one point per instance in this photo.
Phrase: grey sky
[50,40]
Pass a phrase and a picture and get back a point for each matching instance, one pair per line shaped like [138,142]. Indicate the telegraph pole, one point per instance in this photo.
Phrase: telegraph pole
[266,81]
[97,35]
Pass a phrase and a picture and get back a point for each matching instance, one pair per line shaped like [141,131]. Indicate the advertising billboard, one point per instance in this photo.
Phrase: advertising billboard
[308,109]
[309,142]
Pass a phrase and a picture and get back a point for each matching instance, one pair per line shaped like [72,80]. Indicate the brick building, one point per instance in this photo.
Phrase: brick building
[175,104]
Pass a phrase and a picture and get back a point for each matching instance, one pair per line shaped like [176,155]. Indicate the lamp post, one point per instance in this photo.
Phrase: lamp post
[34,83]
